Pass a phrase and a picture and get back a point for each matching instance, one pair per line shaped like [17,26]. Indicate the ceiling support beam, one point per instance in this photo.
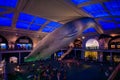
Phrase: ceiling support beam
[20,6]
[91,2]
[74,8]
[43,26]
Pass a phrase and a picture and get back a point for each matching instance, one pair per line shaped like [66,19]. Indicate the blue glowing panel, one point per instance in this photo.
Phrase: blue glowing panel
[22,25]
[34,27]
[77,2]
[25,17]
[119,25]
[89,30]
[2,10]
[51,26]
[54,24]
[9,3]
[113,6]
[117,19]
[5,22]
[10,15]
[95,10]
[47,29]
[107,25]
[39,20]
[108,18]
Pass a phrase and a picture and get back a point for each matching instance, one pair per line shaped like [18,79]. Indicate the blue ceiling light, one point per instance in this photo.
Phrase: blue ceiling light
[47,29]
[107,25]
[89,30]
[77,2]
[39,21]
[8,3]
[117,19]
[2,10]
[54,24]
[25,17]
[108,18]
[113,6]
[95,10]
[34,27]
[22,25]
[51,26]
[118,25]
[10,15]
[5,22]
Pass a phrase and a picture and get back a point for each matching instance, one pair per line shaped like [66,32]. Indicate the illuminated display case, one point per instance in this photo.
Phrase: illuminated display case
[113,46]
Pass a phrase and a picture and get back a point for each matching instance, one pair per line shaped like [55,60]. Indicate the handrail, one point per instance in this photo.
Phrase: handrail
[114,73]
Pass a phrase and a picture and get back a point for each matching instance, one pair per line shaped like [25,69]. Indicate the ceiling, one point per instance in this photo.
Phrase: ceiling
[40,17]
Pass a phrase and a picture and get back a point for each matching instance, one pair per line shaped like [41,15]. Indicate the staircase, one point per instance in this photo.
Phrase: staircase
[66,53]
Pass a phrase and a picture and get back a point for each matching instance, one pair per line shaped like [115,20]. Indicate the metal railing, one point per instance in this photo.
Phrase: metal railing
[114,73]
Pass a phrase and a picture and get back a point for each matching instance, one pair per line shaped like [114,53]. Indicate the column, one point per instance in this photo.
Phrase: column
[19,58]
[111,57]
[82,54]
[0,57]
[75,53]
[100,56]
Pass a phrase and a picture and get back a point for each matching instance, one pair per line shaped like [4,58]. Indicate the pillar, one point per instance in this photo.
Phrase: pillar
[75,53]
[19,58]
[111,57]
[82,54]
[0,57]
[100,56]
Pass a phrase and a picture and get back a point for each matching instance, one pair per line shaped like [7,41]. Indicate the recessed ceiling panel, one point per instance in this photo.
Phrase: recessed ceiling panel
[10,15]
[5,22]
[25,17]
[8,3]
[51,26]
[34,27]
[54,24]
[119,25]
[113,6]
[77,2]
[22,25]
[89,30]
[107,25]
[117,19]
[39,20]
[47,29]
[95,10]
[2,10]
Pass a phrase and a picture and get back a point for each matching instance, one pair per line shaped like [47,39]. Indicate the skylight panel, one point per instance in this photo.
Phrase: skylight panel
[25,17]
[39,20]
[54,24]
[107,25]
[5,22]
[2,10]
[117,19]
[51,26]
[113,6]
[10,15]
[8,3]
[77,2]
[47,29]
[95,10]
[34,27]
[22,25]
[89,30]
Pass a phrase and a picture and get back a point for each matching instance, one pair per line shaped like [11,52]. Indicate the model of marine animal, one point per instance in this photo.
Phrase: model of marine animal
[60,38]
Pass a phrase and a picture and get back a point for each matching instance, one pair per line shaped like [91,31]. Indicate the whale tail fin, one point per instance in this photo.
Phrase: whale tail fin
[30,59]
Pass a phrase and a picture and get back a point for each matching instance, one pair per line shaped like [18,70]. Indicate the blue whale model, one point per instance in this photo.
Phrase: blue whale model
[60,38]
